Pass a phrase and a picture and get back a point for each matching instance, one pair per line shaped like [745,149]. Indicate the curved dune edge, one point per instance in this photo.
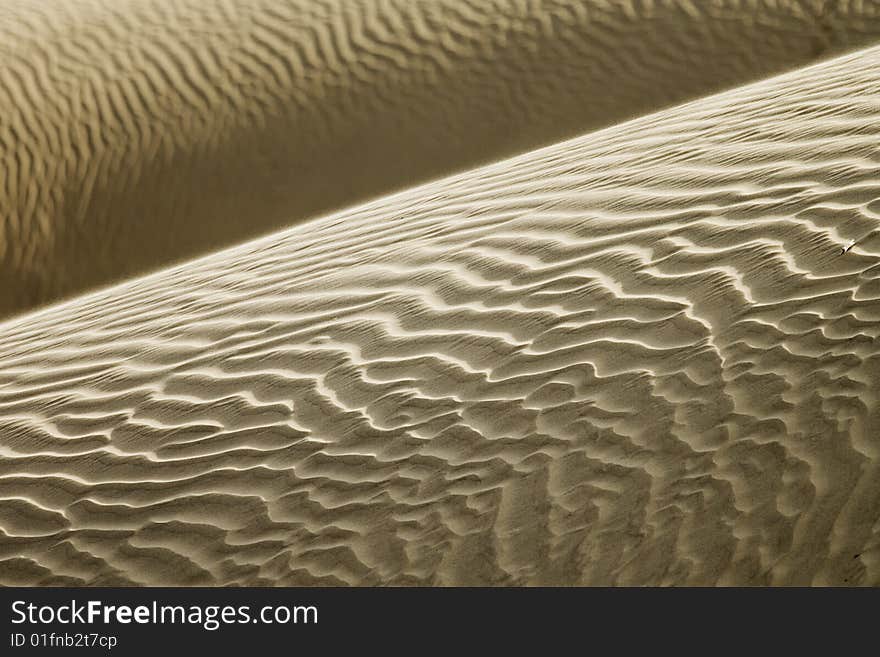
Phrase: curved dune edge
[635,357]
[138,133]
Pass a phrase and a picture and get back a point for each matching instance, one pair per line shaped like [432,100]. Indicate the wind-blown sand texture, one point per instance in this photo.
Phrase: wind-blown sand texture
[635,357]
[137,133]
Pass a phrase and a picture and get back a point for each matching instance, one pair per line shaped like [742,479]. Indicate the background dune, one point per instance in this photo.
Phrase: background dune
[134,133]
[635,357]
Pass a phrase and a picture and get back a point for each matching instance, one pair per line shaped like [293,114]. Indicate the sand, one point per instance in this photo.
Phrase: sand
[139,133]
[638,357]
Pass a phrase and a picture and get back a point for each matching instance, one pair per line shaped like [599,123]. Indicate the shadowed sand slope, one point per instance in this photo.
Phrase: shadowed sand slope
[636,357]
[135,133]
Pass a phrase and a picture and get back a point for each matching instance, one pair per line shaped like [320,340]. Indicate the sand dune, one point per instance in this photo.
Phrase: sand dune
[635,357]
[137,133]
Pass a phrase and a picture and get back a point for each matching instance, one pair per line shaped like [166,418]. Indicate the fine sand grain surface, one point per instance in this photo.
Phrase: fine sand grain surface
[138,133]
[635,357]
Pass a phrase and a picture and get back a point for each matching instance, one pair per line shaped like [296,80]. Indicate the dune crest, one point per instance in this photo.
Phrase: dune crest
[635,357]
[139,133]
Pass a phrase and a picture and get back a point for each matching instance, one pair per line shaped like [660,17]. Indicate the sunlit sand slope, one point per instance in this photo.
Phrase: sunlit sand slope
[137,133]
[636,357]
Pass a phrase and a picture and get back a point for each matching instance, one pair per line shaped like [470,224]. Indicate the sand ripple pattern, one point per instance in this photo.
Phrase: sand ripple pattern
[139,133]
[635,357]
